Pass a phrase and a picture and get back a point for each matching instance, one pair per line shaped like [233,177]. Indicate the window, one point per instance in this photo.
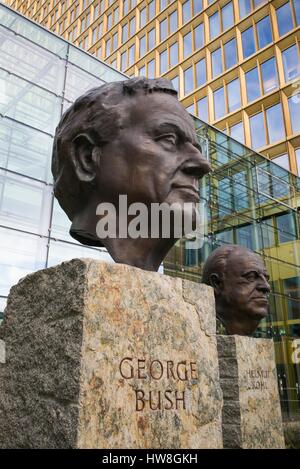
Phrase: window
[237,132]
[187,44]
[264,32]
[116,15]
[163,29]
[115,41]
[186,11]
[244,7]
[173,54]
[269,75]
[142,71]
[143,17]
[163,61]
[199,36]
[284,19]
[214,25]
[151,69]
[283,161]
[109,21]
[108,47]
[286,228]
[230,52]
[125,7]
[151,38]
[216,61]
[131,55]
[188,80]
[227,16]
[297,11]
[248,42]
[200,73]
[257,130]
[294,107]
[151,9]
[202,109]
[163,4]
[252,84]
[234,95]
[219,103]
[173,21]
[275,123]
[132,26]
[124,33]
[291,63]
[297,153]
[123,60]
[142,45]
[175,83]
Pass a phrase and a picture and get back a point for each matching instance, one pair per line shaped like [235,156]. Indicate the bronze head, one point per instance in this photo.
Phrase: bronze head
[240,282]
[128,138]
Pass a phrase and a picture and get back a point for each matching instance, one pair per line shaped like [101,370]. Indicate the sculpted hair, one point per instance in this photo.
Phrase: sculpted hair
[216,262]
[99,113]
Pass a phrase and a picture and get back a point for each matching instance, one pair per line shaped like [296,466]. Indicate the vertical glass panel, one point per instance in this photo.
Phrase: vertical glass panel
[202,108]
[60,252]
[252,84]
[244,236]
[199,36]
[151,69]
[124,33]
[143,17]
[188,80]
[92,65]
[124,60]
[198,6]
[25,150]
[125,7]
[297,11]
[244,7]
[29,61]
[78,81]
[131,55]
[174,54]
[230,51]
[151,38]
[173,18]
[275,123]
[142,71]
[297,153]
[257,129]
[237,132]
[163,29]
[283,161]
[187,44]
[286,228]
[151,9]
[234,95]
[294,107]
[264,32]
[27,103]
[175,83]
[216,62]
[20,254]
[163,4]
[186,11]
[291,63]
[132,26]
[200,72]
[248,42]
[269,75]
[219,103]
[163,61]
[214,25]
[24,203]
[142,46]
[227,16]
[284,19]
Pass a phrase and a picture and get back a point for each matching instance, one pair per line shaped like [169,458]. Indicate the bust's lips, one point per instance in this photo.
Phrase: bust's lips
[188,188]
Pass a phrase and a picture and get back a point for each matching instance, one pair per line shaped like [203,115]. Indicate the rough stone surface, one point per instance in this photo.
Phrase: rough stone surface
[67,330]
[2,351]
[251,416]
[292,434]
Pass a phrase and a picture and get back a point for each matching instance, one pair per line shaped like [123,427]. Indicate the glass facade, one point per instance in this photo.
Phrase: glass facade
[40,76]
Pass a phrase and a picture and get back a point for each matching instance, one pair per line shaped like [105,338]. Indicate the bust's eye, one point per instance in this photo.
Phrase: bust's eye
[168,138]
[251,276]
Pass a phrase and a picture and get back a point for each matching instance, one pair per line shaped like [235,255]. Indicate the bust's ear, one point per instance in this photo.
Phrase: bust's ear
[85,157]
[216,282]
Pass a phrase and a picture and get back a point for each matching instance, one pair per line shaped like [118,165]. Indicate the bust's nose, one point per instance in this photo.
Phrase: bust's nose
[196,165]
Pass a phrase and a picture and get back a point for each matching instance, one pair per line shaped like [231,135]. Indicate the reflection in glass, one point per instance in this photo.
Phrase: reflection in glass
[199,36]
[200,73]
[188,80]
[234,95]
[269,75]
[284,19]
[20,254]
[230,51]
[219,103]
[174,54]
[78,82]
[294,107]
[297,153]
[257,129]
[216,61]
[163,29]
[244,7]
[283,161]
[286,228]
[248,42]
[173,20]
[163,62]
[291,63]
[186,11]
[151,38]
[252,84]
[275,123]
[227,16]
[59,252]
[237,132]
[187,44]
[214,25]
[264,32]
[202,109]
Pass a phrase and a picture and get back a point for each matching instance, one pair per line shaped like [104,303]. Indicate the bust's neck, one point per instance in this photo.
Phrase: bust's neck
[237,325]
[145,253]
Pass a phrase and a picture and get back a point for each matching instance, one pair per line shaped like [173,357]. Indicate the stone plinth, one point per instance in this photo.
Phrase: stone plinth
[109,356]
[251,412]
